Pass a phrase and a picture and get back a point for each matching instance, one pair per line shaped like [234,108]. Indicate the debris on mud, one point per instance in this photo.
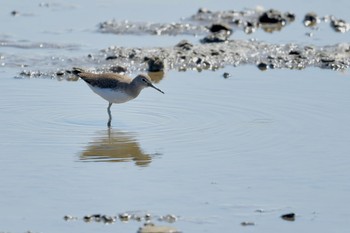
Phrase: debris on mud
[215,47]
[208,56]
[123,217]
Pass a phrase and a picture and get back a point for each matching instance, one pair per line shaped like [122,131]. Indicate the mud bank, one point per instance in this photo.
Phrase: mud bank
[215,48]
[209,56]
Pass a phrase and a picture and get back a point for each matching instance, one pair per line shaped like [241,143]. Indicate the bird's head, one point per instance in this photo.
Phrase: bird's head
[143,80]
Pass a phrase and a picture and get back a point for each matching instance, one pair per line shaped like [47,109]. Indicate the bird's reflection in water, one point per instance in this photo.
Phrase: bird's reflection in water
[116,146]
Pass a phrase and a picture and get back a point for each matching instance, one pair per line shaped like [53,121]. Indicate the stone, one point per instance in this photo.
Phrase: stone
[288,217]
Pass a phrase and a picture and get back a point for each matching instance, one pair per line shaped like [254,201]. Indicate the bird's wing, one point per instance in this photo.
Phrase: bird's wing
[106,80]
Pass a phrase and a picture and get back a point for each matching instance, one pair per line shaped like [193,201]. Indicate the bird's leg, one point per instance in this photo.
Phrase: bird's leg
[109,114]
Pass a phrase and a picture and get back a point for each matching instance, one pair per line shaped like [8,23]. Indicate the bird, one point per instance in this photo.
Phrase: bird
[115,88]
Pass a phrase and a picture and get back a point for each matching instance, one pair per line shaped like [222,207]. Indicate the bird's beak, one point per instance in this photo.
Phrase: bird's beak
[151,85]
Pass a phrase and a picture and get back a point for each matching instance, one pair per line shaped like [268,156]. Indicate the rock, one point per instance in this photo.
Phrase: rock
[218,37]
[124,217]
[96,217]
[14,13]
[155,64]
[206,65]
[203,11]
[247,223]
[214,53]
[184,45]
[88,218]
[217,27]
[170,218]
[197,60]
[60,73]
[226,75]
[108,219]
[294,52]
[272,17]
[250,27]
[340,25]
[69,218]
[289,16]
[148,216]
[263,66]
[311,19]
[327,60]
[273,20]
[118,69]
[112,57]
[260,210]
[288,217]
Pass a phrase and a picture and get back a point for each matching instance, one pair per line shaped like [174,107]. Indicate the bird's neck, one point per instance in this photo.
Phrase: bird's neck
[135,90]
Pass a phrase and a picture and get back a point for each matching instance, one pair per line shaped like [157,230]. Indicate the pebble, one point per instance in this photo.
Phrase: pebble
[226,75]
[311,19]
[60,73]
[184,44]
[289,16]
[294,52]
[247,223]
[108,219]
[250,27]
[138,218]
[260,210]
[148,217]
[88,218]
[14,13]
[69,218]
[170,218]
[118,69]
[112,57]
[124,217]
[155,64]
[272,17]
[203,11]
[218,37]
[263,66]
[217,27]
[44,4]
[340,25]
[288,217]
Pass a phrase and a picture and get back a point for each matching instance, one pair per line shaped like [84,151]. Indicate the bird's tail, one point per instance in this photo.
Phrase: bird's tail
[76,71]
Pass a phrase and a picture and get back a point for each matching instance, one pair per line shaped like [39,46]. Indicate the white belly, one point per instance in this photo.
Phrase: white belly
[111,95]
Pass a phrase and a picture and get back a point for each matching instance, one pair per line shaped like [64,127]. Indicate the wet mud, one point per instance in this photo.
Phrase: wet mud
[150,222]
[216,46]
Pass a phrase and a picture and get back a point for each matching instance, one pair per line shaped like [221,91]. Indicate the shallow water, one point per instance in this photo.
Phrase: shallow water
[215,152]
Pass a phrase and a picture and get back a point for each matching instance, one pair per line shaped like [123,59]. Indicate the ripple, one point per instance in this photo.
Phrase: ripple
[229,121]
[222,118]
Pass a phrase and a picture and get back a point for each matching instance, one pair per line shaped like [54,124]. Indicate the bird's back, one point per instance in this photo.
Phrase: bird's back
[105,80]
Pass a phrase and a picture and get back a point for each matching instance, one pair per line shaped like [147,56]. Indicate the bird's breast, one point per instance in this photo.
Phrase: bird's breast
[112,95]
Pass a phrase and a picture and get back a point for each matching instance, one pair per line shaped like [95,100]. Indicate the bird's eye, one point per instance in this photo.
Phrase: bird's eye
[144,80]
